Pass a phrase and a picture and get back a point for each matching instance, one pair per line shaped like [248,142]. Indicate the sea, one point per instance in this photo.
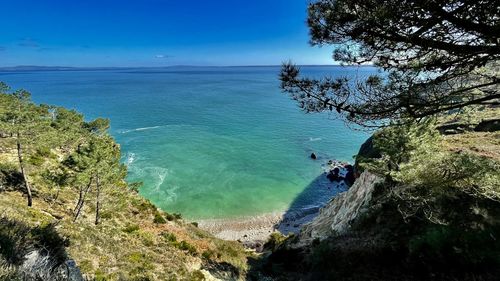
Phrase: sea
[209,142]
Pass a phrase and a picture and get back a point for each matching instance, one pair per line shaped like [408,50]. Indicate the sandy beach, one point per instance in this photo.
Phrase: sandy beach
[254,228]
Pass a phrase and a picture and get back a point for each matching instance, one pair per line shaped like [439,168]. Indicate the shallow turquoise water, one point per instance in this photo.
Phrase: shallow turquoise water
[206,142]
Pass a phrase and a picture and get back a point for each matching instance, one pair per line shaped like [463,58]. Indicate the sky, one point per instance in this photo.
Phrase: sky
[92,33]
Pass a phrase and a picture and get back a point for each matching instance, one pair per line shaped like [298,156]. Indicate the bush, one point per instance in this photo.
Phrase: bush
[185,246]
[274,241]
[158,219]
[197,276]
[135,186]
[145,206]
[208,254]
[44,152]
[106,215]
[169,237]
[131,228]
[173,217]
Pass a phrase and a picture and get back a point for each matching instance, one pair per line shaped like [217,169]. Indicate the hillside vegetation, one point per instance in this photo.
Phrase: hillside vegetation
[64,204]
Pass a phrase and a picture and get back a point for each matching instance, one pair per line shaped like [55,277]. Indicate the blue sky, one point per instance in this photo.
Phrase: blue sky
[156,33]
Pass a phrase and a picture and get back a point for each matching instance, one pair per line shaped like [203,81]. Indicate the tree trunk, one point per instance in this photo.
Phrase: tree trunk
[81,200]
[80,196]
[98,199]
[23,172]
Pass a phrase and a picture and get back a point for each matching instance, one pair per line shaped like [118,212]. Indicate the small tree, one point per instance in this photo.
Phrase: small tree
[95,162]
[108,169]
[27,123]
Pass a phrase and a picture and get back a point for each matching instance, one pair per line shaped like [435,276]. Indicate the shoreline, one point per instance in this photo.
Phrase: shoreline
[254,231]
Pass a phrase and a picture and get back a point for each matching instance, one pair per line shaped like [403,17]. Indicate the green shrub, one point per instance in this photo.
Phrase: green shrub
[158,219]
[208,254]
[136,257]
[185,246]
[145,206]
[173,217]
[135,186]
[106,215]
[8,167]
[169,237]
[131,227]
[441,245]
[36,160]
[99,275]
[274,241]
[148,238]
[44,152]
[197,276]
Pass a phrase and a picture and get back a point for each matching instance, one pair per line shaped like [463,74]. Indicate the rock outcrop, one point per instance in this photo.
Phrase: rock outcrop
[336,217]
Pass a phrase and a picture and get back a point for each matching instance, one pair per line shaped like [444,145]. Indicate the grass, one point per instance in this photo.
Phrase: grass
[479,143]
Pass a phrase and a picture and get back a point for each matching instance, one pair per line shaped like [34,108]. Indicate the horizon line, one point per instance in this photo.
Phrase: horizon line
[67,68]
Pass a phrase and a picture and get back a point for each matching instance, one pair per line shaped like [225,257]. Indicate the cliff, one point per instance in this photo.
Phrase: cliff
[338,215]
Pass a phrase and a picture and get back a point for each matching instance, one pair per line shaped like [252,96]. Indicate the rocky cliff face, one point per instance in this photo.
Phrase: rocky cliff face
[336,217]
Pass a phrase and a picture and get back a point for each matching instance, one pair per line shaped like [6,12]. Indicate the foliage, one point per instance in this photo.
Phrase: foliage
[400,143]
[274,241]
[434,169]
[159,219]
[135,186]
[169,237]
[131,228]
[436,56]
[185,246]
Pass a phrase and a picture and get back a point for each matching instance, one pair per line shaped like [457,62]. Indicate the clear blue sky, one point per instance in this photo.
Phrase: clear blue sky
[156,33]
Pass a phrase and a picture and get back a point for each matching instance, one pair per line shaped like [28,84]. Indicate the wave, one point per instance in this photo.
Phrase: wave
[126,131]
[314,139]
[139,129]
[156,177]
[167,193]
[130,158]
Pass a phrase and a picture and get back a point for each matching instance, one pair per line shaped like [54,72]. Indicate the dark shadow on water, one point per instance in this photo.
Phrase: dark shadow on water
[307,204]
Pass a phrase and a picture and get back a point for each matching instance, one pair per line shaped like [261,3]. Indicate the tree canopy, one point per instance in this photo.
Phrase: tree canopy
[434,56]
[39,133]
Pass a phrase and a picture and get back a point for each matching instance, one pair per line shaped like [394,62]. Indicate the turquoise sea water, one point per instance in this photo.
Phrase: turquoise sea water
[206,142]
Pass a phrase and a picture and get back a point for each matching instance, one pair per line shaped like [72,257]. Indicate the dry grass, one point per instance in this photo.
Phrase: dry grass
[482,144]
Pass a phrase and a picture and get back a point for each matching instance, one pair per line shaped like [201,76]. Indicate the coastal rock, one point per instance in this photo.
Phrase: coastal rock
[313,156]
[336,217]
